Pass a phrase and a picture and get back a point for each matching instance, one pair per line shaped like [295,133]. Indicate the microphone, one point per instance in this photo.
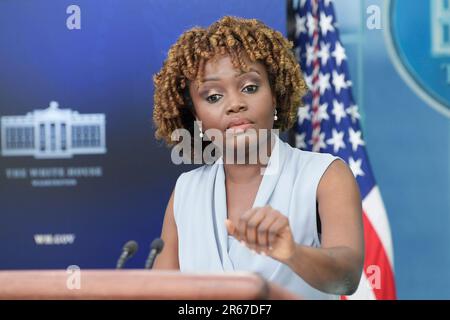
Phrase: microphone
[155,248]
[128,250]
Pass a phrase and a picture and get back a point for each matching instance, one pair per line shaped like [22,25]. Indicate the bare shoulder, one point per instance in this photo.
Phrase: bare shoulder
[338,180]
[340,208]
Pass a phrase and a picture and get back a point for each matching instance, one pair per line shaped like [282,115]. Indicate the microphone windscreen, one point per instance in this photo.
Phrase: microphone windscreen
[157,244]
[131,246]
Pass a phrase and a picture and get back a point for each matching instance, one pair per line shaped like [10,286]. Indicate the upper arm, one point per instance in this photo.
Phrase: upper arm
[340,210]
[168,258]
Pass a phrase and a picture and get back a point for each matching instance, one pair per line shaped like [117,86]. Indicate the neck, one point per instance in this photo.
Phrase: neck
[247,173]
[242,173]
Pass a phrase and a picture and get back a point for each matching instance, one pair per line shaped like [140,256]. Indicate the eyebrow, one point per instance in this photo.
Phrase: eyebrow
[237,75]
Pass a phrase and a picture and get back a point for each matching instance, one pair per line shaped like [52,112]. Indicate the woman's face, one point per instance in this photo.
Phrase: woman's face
[236,103]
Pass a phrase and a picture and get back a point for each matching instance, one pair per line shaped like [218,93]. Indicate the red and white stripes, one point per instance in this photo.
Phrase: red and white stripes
[377,281]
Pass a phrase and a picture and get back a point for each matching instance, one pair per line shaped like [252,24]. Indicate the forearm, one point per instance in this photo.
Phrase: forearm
[333,270]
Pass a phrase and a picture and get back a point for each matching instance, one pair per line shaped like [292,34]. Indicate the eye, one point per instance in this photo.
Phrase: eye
[213,98]
[250,88]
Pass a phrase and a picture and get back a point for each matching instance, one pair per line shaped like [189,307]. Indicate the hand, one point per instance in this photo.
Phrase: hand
[266,231]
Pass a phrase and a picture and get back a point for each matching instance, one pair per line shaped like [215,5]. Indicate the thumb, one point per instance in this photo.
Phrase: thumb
[230,227]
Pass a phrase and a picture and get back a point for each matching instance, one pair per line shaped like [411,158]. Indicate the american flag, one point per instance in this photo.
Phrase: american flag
[329,122]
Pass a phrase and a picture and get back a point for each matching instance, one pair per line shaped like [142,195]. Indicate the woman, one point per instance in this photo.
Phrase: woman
[296,220]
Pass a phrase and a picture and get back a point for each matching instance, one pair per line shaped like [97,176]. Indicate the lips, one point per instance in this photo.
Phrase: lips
[236,122]
[239,125]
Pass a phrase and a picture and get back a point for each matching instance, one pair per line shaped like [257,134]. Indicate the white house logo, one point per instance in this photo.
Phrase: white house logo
[417,34]
[53,133]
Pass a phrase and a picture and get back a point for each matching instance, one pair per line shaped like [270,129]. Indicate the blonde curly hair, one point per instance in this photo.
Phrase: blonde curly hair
[235,37]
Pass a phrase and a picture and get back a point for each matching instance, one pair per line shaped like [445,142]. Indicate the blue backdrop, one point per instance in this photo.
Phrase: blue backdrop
[105,67]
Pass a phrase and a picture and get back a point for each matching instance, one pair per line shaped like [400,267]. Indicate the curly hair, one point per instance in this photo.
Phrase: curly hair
[235,37]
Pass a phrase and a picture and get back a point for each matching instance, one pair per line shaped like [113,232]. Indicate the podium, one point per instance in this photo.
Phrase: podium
[137,285]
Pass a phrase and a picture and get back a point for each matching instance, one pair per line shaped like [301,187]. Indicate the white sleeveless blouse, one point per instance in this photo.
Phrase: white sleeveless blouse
[289,185]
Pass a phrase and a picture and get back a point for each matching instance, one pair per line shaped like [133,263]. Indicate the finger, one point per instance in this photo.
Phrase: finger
[263,230]
[241,228]
[252,226]
[280,223]
[267,213]
[231,228]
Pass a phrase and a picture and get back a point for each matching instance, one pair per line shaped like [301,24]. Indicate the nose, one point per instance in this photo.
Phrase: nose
[236,105]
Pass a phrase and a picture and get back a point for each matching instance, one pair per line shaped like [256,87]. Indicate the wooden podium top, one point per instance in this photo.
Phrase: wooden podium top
[137,285]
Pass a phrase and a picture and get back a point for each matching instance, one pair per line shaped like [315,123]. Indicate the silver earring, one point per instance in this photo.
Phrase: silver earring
[275,117]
